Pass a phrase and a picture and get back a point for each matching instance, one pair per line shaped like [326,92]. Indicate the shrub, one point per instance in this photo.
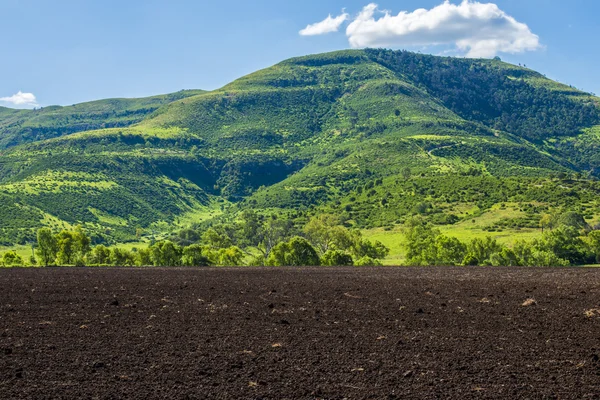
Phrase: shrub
[12,259]
[367,261]
[121,257]
[194,256]
[100,255]
[297,252]
[336,258]
[165,254]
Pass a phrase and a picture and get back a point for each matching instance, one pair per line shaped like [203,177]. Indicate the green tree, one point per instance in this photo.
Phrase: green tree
[271,233]
[367,261]
[165,254]
[257,261]
[194,256]
[546,222]
[229,257]
[480,250]
[524,252]
[143,258]
[81,245]
[216,240]
[427,246]
[530,254]
[565,242]
[12,259]
[47,246]
[73,246]
[361,247]
[325,234]
[449,251]
[251,230]
[297,252]
[594,241]
[185,237]
[66,248]
[572,219]
[420,242]
[505,258]
[333,258]
[99,255]
[422,208]
[540,258]
[323,231]
[121,257]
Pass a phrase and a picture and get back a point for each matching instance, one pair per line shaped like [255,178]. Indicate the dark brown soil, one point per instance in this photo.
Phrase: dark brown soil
[334,333]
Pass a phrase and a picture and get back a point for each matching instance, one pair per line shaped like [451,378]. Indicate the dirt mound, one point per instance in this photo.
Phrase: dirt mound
[334,333]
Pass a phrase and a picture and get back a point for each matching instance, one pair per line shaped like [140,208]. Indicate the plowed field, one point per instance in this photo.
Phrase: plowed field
[299,333]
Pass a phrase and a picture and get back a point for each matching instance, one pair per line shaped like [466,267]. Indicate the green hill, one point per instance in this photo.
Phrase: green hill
[22,126]
[372,135]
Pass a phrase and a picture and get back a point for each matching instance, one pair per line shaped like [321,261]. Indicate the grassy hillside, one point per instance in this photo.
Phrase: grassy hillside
[373,136]
[22,126]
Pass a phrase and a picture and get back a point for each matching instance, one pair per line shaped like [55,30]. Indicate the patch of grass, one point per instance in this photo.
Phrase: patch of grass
[23,250]
[394,238]
[105,218]
[200,213]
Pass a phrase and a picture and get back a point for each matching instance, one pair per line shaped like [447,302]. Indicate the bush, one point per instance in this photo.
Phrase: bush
[566,244]
[121,258]
[194,256]
[143,258]
[571,219]
[229,257]
[12,259]
[297,252]
[100,255]
[257,261]
[165,254]
[367,261]
[505,258]
[479,251]
[594,241]
[333,258]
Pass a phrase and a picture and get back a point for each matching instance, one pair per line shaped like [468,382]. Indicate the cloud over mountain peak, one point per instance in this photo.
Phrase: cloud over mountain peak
[475,29]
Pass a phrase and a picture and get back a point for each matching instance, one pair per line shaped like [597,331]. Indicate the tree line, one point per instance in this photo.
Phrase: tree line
[564,245]
[268,241]
[253,240]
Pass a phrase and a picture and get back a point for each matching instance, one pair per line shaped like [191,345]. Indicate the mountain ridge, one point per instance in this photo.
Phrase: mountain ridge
[304,136]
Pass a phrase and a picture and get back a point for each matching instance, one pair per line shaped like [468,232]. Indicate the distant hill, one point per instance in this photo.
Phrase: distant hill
[22,126]
[371,135]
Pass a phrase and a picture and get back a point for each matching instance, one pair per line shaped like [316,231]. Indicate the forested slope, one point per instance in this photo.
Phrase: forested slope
[369,135]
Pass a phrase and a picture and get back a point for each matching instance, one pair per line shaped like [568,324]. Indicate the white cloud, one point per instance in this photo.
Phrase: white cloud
[20,99]
[328,25]
[473,28]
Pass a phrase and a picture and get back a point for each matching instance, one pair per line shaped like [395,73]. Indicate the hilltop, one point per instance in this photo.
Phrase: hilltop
[373,136]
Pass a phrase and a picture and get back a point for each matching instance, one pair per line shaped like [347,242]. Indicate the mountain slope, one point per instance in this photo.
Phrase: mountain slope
[22,126]
[336,132]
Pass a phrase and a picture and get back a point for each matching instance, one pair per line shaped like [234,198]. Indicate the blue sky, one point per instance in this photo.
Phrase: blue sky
[69,51]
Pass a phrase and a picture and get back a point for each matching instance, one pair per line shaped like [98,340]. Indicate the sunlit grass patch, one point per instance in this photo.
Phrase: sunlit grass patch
[55,181]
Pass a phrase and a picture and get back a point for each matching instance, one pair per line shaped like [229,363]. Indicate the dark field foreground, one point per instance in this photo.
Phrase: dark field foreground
[299,333]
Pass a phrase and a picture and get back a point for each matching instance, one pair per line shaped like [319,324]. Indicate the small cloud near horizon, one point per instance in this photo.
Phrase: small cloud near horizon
[20,99]
[328,25]
[474,29]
